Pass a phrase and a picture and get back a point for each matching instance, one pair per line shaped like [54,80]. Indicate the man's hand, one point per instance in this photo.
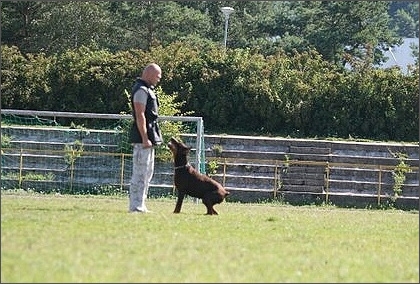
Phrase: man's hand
[147,144]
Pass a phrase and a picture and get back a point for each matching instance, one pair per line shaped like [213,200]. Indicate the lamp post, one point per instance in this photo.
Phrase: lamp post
[226,11]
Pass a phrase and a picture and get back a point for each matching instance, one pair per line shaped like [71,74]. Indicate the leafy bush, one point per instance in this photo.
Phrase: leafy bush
[234,90]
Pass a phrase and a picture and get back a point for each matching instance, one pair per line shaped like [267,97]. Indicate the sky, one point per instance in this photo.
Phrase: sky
[403,55]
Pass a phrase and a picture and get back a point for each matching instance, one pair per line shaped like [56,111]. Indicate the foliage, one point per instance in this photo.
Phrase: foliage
[404,18]
[5,141]
[24,78]
[399,174]
[73,151]
[234,90]
[337,27]
[328,26]
[217,149]
[30,176]
[281,75]
[212,167]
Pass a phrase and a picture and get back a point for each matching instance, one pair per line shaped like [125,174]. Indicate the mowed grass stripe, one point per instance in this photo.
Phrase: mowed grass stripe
[53,238]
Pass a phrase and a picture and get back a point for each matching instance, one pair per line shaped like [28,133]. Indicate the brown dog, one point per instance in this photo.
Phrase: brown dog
[188,181]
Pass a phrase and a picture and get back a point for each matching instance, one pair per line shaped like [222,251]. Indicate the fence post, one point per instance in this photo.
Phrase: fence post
[276,176]
[327,181]
[71,170]
[20,167]
[379,185]
[224,172]
[122,172]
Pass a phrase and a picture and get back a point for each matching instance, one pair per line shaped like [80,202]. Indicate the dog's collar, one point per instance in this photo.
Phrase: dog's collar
[184,166]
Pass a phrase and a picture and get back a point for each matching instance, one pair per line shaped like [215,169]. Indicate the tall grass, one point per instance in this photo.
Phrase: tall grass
[52,238]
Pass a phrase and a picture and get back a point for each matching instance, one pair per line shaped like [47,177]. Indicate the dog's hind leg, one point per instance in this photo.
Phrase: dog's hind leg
[179,200]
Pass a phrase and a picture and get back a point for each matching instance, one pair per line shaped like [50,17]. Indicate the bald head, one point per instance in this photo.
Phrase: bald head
[151,74]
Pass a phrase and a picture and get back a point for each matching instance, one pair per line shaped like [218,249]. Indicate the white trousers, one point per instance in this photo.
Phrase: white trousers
[143,167]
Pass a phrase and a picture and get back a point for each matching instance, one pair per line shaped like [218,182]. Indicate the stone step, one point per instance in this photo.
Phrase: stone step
[330,158]
[225,142]
[273,144]
[309,150]
[341,186]
[89,168]
[258,166]
[43,147]
[61,134]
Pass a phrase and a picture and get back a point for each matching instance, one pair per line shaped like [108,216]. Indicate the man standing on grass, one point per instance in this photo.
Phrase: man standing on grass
[145,134]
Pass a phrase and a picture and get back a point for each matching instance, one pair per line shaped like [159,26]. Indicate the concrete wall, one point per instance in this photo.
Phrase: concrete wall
[297,171]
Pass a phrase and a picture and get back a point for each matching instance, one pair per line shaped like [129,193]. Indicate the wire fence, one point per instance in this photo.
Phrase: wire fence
[40,153]
[43,153]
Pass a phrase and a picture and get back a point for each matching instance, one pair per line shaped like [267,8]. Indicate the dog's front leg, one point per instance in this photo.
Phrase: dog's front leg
[179,200]
[209,206]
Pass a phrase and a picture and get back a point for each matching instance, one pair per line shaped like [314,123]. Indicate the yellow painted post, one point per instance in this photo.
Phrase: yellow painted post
[327,181]
[275,179]
[379,184]
[122,172]
[71,171]
[20,168]
[224,172]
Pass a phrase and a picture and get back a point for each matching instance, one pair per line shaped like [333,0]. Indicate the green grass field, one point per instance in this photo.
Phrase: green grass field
[53,238]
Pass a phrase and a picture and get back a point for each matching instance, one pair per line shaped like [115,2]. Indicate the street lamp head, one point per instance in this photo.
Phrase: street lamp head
[227,11]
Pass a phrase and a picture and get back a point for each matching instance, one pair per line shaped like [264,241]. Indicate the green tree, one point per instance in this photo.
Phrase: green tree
[16,23]
[405,18]
[407,26]
[335,28]
[54,27]
[146,24]
[70,25]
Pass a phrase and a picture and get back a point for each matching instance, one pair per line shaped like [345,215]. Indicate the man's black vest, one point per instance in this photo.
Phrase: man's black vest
[151,114]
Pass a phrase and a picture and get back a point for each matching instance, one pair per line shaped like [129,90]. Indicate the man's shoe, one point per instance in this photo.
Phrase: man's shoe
[138,210]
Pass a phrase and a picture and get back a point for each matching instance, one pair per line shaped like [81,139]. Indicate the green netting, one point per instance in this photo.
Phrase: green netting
[67,121]
[45,155]
[27,120]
